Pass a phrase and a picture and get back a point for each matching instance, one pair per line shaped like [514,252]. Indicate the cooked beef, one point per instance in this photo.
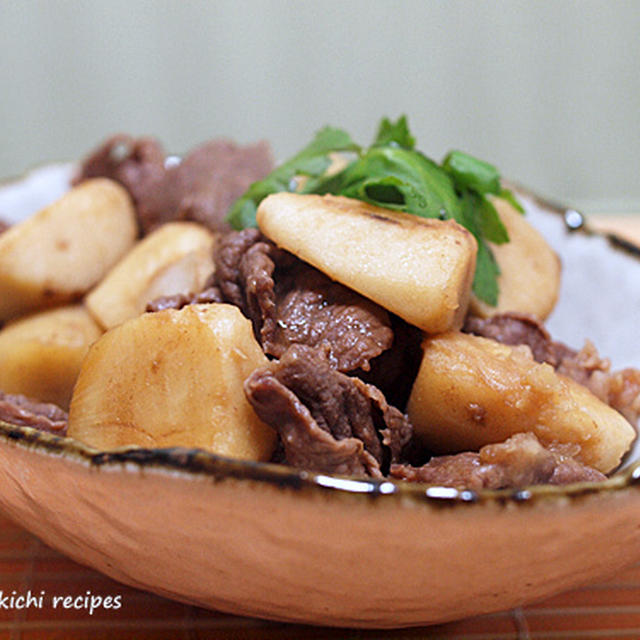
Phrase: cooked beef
[312,309]
[515,329]
[518,462]
[520,328]
[179,300]
[139,166]
[395,370]
[4,225]
[579,365]
[212,176]
[228,259]
[619,389]
[290,302]
[25,412]
[328,422]
[201,188]
[306,445]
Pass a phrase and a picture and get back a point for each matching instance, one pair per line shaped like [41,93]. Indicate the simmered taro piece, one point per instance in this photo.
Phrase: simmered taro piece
[418,268]
[619,389]
[290,302]
[472,391]
[328,422]
[201,187]
[178,383]
[25,412]
[518,462]
[176,258]
[62,251]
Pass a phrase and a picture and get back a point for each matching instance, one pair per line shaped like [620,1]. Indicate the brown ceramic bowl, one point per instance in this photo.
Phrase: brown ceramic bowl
[265,540]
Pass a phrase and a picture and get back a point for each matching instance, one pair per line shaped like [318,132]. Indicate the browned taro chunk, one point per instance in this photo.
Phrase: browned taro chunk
[25,412]
[290,302]
[201,187]
[517,462]
[619,389]
[328,422]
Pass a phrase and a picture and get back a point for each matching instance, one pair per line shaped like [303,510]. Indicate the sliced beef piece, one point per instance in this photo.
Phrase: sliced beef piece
[328,422]
[228,274]
[391,424]
[201,187]
[179,300]
[312,309]
[139,166]
[520,328]
[619,389]
[25,412]
[290,302]
[515,329]
[395,370]
[518,462]
[579,365]
[306,445]
[213,176]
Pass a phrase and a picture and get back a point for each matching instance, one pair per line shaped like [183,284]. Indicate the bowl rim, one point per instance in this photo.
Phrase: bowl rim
[197,463]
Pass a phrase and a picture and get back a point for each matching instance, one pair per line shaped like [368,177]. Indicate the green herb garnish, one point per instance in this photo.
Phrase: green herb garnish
[395,133]
[391,173]
[312,161]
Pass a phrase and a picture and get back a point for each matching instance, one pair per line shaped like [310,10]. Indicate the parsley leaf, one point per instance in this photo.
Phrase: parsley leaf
[479,179]
[395,133]
[391,173]
[507,194]
[467,171]
[491,226]
[485,281]
[395,178]
[312,161]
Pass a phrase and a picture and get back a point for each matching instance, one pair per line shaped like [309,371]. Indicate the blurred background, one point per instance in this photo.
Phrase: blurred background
[549,91]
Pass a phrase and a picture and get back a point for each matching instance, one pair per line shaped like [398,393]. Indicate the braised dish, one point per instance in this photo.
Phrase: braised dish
[352,544]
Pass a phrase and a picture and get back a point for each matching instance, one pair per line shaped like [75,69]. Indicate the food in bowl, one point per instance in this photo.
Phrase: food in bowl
[373,323]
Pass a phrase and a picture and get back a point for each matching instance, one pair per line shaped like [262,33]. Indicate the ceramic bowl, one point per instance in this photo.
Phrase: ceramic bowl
[264,540]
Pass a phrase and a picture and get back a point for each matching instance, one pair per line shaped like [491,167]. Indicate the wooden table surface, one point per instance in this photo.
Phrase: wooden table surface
[608,609]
